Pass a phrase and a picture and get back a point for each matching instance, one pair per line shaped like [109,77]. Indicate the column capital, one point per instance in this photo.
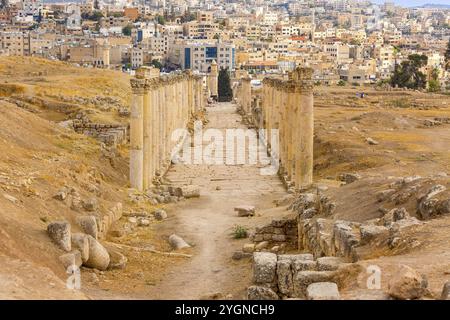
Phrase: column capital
[138,85]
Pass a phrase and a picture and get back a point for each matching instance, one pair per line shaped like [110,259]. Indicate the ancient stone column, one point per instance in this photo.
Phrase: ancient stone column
[247,94]
[147,132]
[291,125]
[155,125]
[136,134]
[214,79]
[304,155]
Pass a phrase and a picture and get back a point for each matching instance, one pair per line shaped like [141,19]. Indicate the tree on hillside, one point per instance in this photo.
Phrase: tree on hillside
[408,74]
[433,83]
[224,86]
[127,30]
[155,63]
[447,56]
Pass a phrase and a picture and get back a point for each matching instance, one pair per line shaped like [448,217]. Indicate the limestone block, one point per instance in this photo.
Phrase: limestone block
[322,291]
[264,267]
[89,225]
[81,243]
[261,293]
[303,279]
[328,263]
[59,232]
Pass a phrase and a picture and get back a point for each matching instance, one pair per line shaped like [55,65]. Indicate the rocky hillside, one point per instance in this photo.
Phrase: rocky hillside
[49,172]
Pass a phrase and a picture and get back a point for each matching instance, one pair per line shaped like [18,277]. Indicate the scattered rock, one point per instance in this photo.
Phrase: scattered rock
[117,259]
[89,225]
[245,210]
[59,232]
[177,242]
[10,198]
[61,195]
[264,267]
[90,204]
[261,293]
[143,222]
[71,259]
[349,177]
[322,291]
[407,284]
[190,191]
[160,214]
[249,247]
[98,255]
[445,295]
[81,243]
[371,141]
[262,245]
[238,255]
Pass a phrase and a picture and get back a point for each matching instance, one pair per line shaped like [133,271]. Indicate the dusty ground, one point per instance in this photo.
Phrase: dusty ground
[37,158]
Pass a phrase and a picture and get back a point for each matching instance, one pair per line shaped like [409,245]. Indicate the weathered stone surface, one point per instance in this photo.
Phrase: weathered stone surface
[117,259]
[371,141]
[238,255]
[89,225]
[90,204]
[284,276]
[344,239]
[59,232]
[177,242]
[248,247]
[294,257]
[190,191]
[160,214]
[349,177]
[328,263]
[70,259]
[444,206]
[143,222]
[81,243]
[322,291]
[303,279]
[445,295]
[245,210]
[304,265]
[264,267]
[262,245]
[261,293]
[98,255]
[370,232]
[428,206]
[279,237]
[407,284]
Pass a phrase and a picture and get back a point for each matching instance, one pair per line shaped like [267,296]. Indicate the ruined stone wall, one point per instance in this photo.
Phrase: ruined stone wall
[283,112]
[160,105]
[110,134]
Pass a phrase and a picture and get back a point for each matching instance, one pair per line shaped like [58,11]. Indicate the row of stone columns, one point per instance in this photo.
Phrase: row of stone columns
[159,106]
[244,95]
[287,111]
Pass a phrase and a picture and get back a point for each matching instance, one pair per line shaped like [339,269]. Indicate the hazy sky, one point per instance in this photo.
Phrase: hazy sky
[411,3]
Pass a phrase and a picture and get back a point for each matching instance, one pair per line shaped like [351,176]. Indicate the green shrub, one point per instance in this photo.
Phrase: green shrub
[239,232]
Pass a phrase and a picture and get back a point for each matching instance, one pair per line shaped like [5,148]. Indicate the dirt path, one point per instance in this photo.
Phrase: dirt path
[207,222]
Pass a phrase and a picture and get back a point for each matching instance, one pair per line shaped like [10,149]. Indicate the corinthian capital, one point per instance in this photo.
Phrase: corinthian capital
[138,85]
